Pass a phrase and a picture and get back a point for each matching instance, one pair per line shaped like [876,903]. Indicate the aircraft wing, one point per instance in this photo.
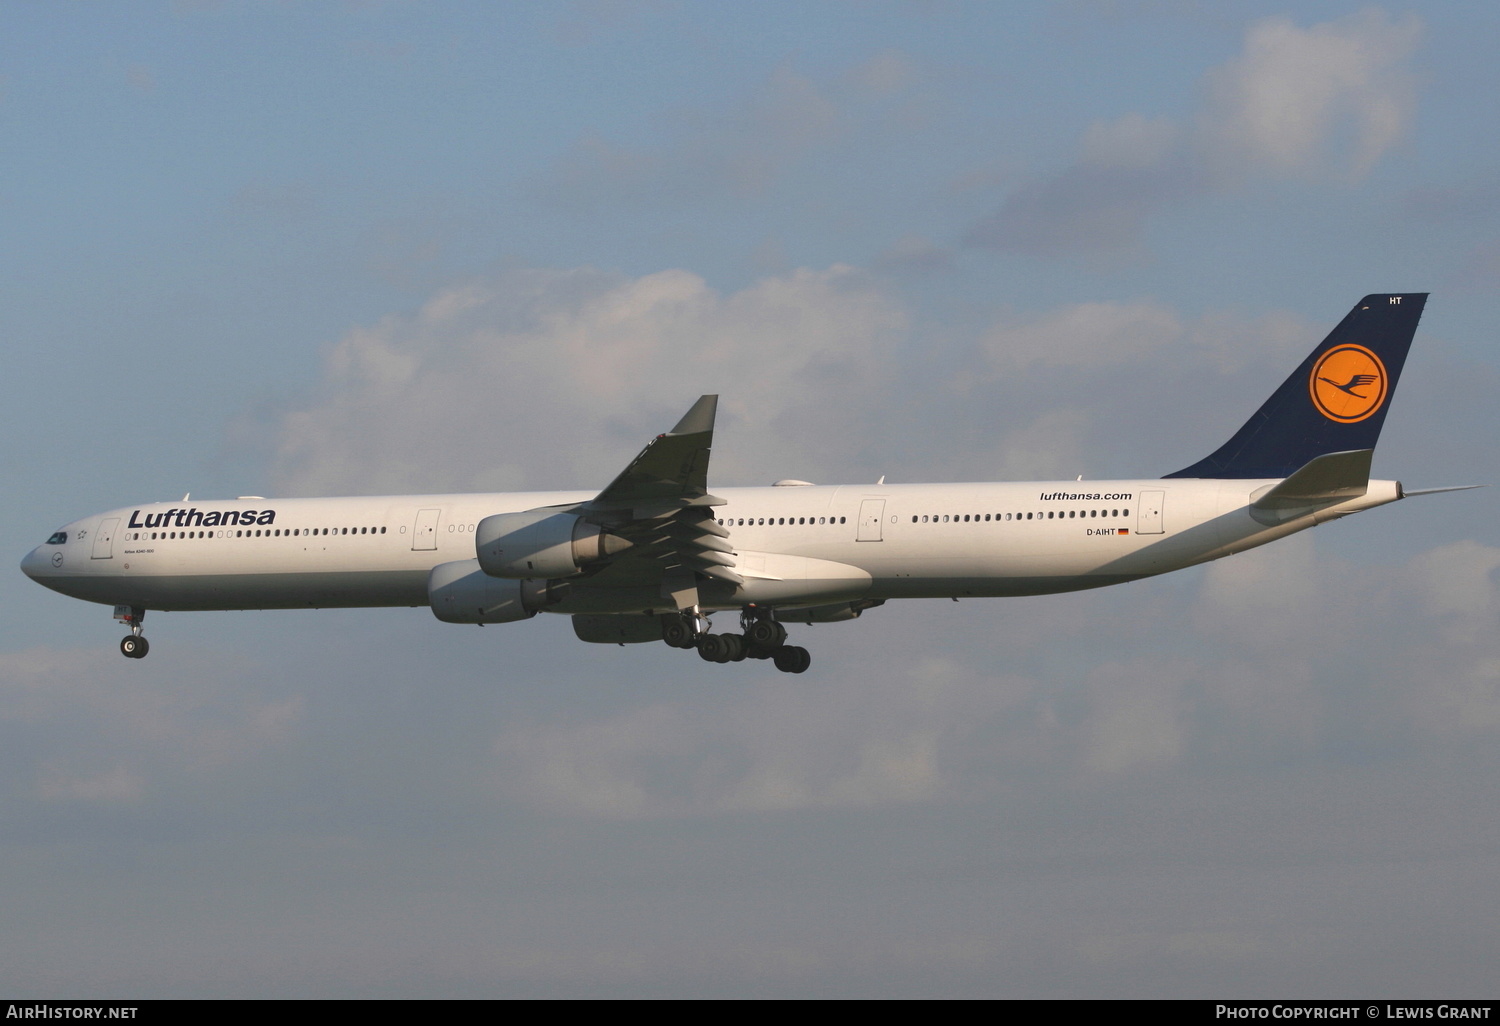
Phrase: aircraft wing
[661,504]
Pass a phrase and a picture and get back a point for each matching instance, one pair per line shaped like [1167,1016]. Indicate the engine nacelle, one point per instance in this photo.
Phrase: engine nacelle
[460,592]
[541,543]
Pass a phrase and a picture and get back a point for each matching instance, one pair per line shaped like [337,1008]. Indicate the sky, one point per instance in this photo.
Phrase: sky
[388,247]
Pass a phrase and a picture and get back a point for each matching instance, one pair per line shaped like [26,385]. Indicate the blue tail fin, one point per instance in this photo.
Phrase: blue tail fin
[1335,402]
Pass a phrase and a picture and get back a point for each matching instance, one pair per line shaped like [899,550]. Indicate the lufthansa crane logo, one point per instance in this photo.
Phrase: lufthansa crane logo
[1348,383]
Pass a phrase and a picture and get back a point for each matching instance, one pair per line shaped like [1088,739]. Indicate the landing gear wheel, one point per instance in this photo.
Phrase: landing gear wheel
[714,648]
[677,633]
[723,648]
[133,646]
[767,634]
[739,648]
[792,659]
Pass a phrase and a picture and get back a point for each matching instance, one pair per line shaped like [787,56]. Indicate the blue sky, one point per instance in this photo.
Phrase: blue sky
[367,247]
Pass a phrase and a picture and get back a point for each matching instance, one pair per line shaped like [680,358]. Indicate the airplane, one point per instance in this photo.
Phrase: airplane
[655,554]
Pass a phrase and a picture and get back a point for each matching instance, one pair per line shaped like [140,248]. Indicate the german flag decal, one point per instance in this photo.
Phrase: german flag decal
[1348,383]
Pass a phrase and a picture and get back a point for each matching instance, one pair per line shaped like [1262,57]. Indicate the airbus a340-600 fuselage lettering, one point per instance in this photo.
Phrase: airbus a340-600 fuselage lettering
[653,554]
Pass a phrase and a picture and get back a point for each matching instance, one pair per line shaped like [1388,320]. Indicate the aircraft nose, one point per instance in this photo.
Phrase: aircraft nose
[36,564]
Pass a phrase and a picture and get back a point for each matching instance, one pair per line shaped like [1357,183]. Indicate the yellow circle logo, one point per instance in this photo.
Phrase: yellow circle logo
[1348,383]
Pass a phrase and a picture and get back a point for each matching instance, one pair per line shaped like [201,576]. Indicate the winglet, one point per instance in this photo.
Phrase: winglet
[672,470]
[699,419]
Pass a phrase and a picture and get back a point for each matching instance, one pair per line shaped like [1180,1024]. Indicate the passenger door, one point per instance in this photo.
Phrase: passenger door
[424,531]
[104,539]
[871,515]
[1150,518]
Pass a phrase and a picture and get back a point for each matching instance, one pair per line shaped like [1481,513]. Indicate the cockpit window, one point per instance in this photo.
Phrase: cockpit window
[60,538]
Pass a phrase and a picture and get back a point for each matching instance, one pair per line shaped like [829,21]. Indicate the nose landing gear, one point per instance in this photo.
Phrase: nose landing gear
[134,645]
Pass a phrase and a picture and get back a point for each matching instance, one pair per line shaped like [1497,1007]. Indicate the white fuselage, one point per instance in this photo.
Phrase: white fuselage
[797,545]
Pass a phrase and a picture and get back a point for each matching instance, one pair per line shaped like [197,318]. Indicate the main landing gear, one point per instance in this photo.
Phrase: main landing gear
[134,645]
[763,638]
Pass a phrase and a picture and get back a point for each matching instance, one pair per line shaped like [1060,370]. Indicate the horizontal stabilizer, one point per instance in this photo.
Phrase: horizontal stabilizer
[1408,493]
[1322,481]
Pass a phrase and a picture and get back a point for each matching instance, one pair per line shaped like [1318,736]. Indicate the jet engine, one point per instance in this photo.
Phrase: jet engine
[541,543]
[460,592]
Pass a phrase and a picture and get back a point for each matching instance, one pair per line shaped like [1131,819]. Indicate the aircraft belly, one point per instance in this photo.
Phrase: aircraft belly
[770,579]
[992,587]
[289,590]
[1041,570]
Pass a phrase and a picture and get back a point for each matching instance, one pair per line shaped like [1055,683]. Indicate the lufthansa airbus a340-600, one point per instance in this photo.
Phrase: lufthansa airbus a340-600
[651,556]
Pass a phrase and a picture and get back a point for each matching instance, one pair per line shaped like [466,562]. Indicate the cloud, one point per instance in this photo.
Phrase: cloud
[141,78]
[887,73]
[540,379]
[743,148]
[1044,449]
[741,151]
[82,732]
[585,22]
[853,744]
[554,378]
[1326,102]
[1332,98]
[1280,654]
[1418,654]
[1084,335]
[551,379]
[1078,388]
[914,253]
